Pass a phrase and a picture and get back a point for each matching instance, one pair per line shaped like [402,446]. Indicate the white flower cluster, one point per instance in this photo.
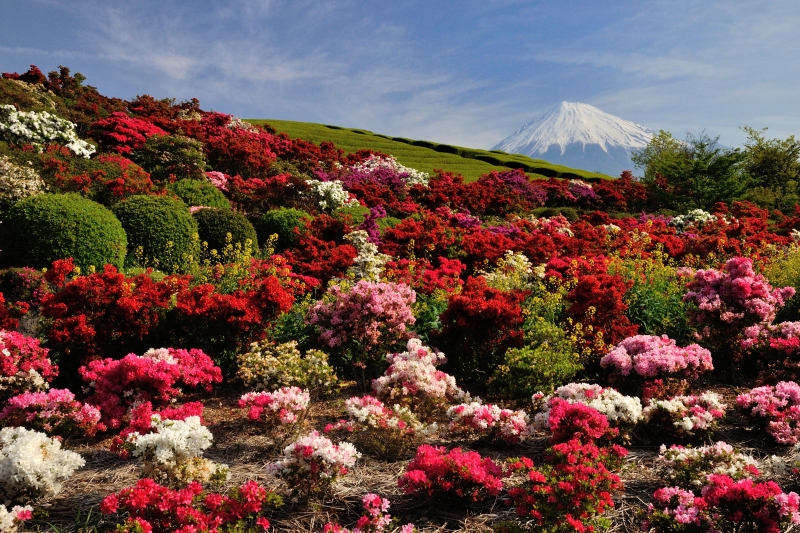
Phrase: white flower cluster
[160,355]
[619,409]
[690,414]
[413,374]
[612,229]
[33,464]
[696,218]
[555,224]
[10,520]
[330,195]
[375,162]
[696,464]
[174,450]
[329,459]
[40,129]
[30,381]
[17,183]
[513,271]
[369,263]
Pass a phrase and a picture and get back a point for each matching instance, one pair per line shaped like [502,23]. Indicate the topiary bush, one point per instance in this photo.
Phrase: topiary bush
[214,225]
[281,222]
[199,192]
[161,232]
[171,157]
[40,229]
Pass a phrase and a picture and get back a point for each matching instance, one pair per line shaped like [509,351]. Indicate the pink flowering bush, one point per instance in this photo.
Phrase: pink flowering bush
[455,474]
[690,467]
[723,505]
[55,412]
[730,300]
[488,422]
[685,417]
[376,519]
[776,348]
[777,407]
[655,367]
[377,429]
[280,407]
[412,379]
[576,421]
[119,384]
[10,521]
[148,507]
[312,463]
[24,365]
[358,325]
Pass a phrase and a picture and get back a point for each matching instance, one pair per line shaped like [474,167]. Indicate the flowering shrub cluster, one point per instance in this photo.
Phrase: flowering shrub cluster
[56,412]
[275,408]
[655,367]
[17,183]
[330,195]
[148,507]
[33,465]
[689,468]
[723,505]
[312,463]
[24,365]
[686,417]
[455,474]
[267,366]
[11,520]
[375,521]
[40,128]
[776,347]
[489,422]
[118,384]
[777,407]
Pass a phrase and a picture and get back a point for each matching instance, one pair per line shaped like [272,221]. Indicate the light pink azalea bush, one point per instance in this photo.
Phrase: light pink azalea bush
[376,519]
[56,412]
[686,417]
[10,521]
[655,367]
[280,407]
[488,422]
[690,467]
[778,408]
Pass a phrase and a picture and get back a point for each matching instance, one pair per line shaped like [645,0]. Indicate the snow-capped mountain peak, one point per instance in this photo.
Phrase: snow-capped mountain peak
[580,135]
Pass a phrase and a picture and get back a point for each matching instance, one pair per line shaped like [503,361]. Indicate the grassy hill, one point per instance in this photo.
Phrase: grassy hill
[425,155]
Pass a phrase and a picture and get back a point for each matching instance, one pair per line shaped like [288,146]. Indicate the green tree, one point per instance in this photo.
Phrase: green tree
[772,163]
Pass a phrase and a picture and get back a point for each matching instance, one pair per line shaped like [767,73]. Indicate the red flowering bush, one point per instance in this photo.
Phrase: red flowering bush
[577,421]
[425,234]
[151,508]
[56,412]
[155,376]
[123,134]
[573,488]
[24,365]
[454,474]
[423,277]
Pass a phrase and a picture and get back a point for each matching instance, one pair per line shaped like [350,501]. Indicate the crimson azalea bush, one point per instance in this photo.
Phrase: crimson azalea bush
[655,367]
[24,365]
[119,384]
[148,507]
[454,474]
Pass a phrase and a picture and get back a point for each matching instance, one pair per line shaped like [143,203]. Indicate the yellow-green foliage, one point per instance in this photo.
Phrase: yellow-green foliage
[269,366]
[424,155]
[784,271]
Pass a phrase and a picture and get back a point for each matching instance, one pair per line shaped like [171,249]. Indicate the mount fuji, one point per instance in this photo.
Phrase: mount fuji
[579,135]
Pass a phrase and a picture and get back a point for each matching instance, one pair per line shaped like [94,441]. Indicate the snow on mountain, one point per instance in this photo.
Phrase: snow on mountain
[579,135]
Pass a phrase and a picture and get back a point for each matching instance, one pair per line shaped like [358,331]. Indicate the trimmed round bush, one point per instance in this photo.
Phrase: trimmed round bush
[199,192]
[38,230]
[281,222]
[161,232]
[214,225]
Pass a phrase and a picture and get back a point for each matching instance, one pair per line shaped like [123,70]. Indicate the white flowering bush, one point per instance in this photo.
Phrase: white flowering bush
[622,412]
[312,463]
[696,218]
[269,366]
[11,520]
[489,422]
[689,468]
[369,263]
[330,195]
[173,452]
[40,128]
[513,271]
[33,465]
[17,183]
[410,176]
[686,416]
[412,379]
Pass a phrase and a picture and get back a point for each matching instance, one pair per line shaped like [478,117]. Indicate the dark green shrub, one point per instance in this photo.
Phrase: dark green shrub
[161,232]
[214,225]
[446,149]
[424,144]
[171,155]
[489,159]
[567,212]
[281,222]
[38,230]
[199,192]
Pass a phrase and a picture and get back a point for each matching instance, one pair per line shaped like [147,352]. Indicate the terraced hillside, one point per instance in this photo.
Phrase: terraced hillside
[426,155]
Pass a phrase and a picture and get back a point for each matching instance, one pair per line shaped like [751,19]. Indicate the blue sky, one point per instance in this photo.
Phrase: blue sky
[457,71]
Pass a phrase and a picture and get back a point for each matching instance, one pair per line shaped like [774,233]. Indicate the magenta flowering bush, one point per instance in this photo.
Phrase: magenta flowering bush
[730,300]
[119,384]
[685,417]
[55,412]
[777,407]
[281,407]
[359,324]
[723,505]
[577,421]
[655,367]
[488,422]
[456,474]
[24,365]
[776,348]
